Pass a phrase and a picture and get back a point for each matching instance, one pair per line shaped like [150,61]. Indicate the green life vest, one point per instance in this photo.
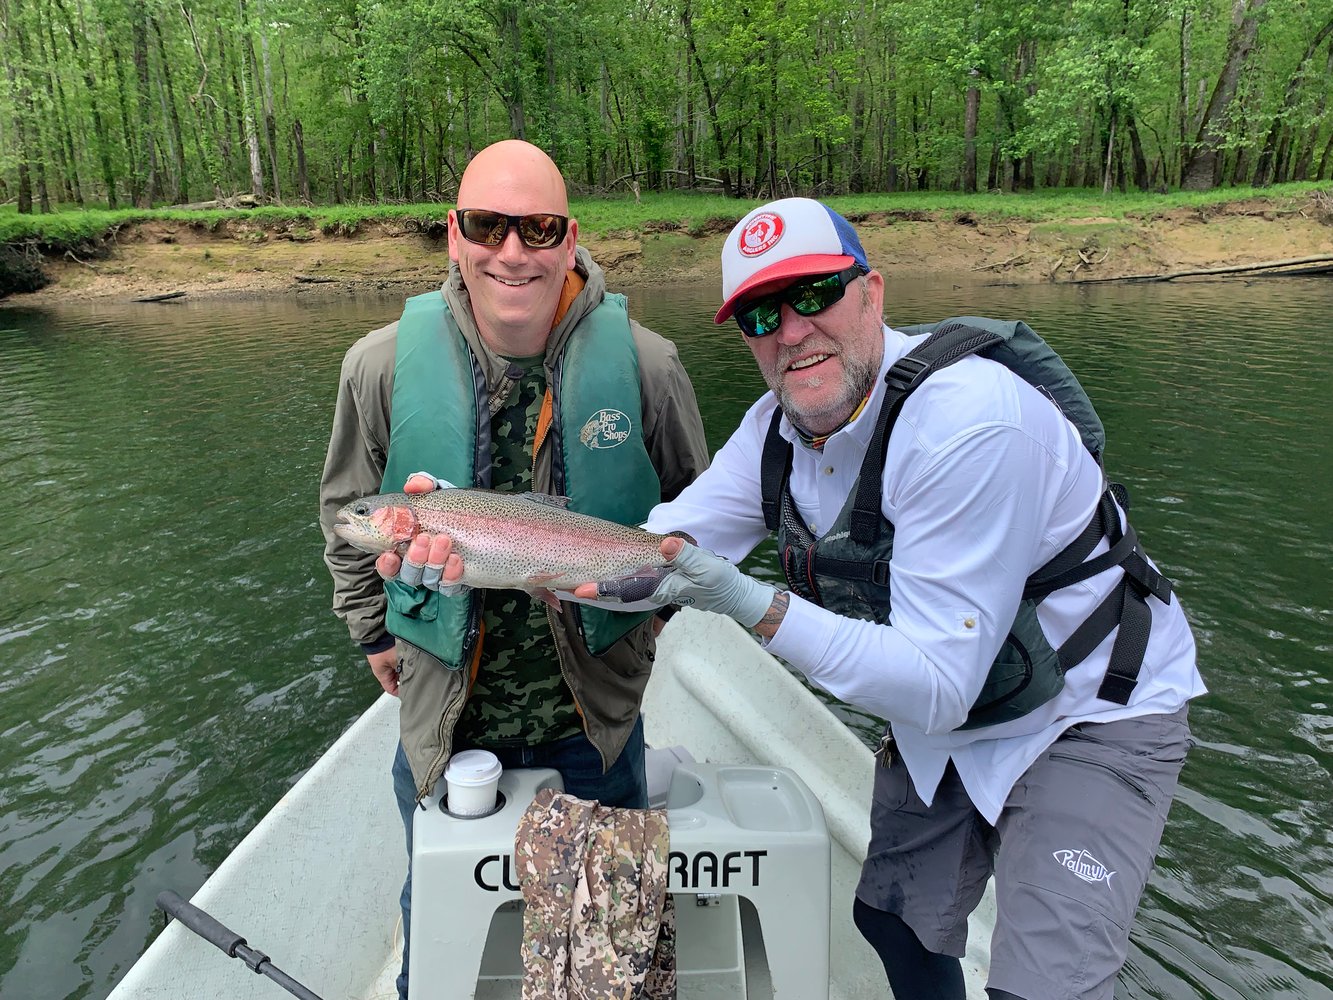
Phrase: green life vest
[440,423]
[847,569]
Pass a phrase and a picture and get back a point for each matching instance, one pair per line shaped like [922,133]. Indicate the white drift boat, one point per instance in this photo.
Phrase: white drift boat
[315,884]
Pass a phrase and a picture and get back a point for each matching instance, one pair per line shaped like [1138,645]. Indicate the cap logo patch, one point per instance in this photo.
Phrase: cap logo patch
[763,231]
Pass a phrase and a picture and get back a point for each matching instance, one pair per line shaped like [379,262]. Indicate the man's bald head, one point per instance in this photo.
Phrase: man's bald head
[511,171]
[514,289]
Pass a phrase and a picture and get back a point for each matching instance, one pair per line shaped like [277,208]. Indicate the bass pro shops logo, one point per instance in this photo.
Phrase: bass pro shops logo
[605,429]
[1085,866]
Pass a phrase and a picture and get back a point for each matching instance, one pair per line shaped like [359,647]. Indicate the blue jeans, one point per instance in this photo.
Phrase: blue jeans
[580,766]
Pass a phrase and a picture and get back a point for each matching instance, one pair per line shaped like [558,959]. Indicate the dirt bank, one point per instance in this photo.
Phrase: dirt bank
[241,259]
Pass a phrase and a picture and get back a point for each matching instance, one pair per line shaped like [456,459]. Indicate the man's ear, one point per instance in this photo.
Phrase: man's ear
[875,289]
[454,236]
[572,241]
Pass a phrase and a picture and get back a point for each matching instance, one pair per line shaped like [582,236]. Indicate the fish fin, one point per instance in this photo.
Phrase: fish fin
[545,499]
[547,597]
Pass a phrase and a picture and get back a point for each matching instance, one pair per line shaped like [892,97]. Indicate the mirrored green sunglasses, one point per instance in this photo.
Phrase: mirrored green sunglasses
[764,315]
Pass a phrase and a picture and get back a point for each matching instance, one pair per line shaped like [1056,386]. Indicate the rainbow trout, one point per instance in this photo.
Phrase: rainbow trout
[513,541]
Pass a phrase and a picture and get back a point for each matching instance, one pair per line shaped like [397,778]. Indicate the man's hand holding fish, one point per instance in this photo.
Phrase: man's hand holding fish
[430,560]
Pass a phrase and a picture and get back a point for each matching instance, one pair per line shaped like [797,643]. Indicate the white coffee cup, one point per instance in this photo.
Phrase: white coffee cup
[472,779]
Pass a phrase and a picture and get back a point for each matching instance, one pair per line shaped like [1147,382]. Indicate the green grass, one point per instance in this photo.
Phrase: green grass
[69,228]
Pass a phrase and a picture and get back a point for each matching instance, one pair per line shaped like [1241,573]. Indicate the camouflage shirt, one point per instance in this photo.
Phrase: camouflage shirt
[519,696]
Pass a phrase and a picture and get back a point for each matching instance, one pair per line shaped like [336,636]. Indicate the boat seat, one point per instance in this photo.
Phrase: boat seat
[755,832]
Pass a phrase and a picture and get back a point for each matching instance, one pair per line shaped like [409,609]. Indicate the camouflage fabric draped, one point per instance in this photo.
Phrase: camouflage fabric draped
[599,923]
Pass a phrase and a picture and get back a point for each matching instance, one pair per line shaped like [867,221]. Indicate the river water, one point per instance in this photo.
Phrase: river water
[169,666]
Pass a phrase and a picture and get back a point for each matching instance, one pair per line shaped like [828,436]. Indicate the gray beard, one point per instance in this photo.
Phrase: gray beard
[860,377]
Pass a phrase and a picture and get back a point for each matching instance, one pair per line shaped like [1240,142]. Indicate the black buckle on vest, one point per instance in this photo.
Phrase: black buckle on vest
[879,573]
[905,373]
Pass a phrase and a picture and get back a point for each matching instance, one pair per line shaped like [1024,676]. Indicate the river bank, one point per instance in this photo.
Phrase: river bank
[242,258]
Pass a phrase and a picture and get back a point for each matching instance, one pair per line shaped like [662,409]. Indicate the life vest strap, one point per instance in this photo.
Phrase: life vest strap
[774,471]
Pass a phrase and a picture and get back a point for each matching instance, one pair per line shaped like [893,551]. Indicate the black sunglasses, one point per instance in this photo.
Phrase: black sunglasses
[764,315]
[538,231]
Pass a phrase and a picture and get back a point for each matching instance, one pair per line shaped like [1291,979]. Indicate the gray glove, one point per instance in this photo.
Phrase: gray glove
[710,583]
[428,576]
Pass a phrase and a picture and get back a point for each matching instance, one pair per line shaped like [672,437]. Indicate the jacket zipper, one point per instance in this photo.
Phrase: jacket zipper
[454,709]
[445,743]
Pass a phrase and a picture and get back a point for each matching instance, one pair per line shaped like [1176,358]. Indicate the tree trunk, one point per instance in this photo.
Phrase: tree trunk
[248,115]
[421,157]
[182,178]
[127,129]
[1326,160]
[1027,59]
[90,82]
[856,180]
[720,142]
[61,136]
[32,154]
[302,180]
[511,71]
[1264,170]
[891,125]
[1110,149]
[10,30]
[147,165]
[1183,99]
[1300,170]
[1203,166]
[971,106]
[553,130]
[604,112]
[270,120]
[691,163]
[1136,150]
[205,114]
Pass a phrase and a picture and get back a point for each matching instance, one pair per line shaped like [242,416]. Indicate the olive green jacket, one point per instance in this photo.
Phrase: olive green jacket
[607,689]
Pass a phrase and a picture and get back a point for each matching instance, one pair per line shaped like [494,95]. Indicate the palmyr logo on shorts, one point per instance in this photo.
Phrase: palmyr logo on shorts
[605,429]
[1085,866]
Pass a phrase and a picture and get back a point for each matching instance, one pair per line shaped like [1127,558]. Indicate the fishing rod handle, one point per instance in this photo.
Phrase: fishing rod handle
[208,928]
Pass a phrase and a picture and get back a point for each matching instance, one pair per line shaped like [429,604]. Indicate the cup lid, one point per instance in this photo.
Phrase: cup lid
[472,767]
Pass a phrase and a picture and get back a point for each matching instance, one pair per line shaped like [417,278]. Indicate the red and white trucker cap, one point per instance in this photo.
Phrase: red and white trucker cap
[783,240]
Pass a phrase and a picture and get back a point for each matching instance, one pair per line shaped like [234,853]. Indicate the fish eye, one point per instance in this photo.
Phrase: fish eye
[361,508]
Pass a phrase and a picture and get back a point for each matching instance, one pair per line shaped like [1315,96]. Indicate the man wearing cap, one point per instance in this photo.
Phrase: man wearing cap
[521,374]
[915,613]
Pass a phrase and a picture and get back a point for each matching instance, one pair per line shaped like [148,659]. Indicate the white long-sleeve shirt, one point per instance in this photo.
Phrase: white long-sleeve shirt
[984,482]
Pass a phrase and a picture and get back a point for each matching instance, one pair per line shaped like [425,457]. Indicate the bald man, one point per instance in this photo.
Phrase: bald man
[522,334]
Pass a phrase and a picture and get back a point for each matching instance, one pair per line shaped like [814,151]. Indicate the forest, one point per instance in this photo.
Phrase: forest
[143,103]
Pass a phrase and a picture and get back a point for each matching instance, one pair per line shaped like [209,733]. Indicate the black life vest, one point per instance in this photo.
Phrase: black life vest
[847,568]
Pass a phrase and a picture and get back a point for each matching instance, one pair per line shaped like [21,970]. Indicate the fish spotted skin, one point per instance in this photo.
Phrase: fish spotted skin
[512,541]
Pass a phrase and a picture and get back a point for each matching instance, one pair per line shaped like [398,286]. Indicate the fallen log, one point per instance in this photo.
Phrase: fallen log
[311,279]
[1273,267]
[1016,259]
[239,201]
[160,298]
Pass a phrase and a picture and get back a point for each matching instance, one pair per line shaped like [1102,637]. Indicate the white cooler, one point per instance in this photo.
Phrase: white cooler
[752,832]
